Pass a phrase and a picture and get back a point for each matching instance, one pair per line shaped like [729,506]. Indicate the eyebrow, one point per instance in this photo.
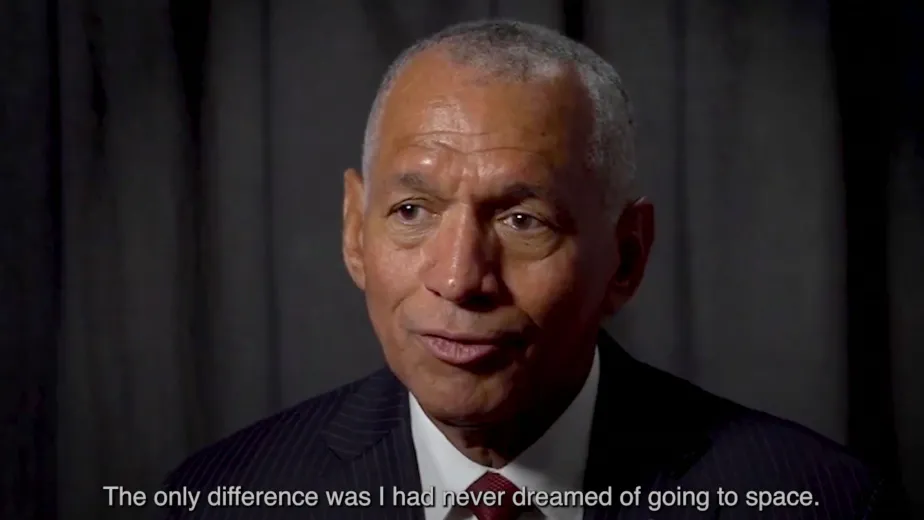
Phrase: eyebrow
[413,181]
[524,191]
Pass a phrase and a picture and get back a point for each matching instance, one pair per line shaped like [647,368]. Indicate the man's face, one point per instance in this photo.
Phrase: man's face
[481,241]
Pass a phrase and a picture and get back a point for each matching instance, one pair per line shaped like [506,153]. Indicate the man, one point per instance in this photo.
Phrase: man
[493,227]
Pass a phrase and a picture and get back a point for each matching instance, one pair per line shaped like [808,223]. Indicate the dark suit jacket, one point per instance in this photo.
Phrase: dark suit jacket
[650,429]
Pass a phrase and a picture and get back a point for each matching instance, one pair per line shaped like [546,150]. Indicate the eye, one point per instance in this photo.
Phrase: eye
[523,222]
[409,213]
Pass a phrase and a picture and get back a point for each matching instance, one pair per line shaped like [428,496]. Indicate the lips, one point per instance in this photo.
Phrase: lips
[462,350]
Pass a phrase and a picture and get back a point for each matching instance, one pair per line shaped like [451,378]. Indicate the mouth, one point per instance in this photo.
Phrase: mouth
[463,350]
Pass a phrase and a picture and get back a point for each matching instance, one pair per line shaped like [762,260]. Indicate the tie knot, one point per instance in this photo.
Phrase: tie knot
[494,498]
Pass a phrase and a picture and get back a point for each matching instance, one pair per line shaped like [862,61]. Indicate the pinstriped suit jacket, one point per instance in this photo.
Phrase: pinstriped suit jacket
[650,429]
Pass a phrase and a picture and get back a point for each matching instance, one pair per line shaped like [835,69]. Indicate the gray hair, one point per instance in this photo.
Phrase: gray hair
[521,51]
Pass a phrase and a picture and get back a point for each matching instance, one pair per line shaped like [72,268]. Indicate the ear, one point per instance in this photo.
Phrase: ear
[353,213]
[634,237]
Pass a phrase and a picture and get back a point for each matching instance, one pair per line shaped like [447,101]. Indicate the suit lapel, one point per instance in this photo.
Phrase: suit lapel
[635,438]
[370,435]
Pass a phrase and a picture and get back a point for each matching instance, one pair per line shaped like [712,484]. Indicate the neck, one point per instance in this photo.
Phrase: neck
[497,444]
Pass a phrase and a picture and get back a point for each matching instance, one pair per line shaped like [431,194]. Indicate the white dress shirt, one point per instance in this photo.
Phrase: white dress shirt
[555,462]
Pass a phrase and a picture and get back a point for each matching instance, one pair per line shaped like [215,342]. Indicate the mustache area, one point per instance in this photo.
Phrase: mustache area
[506,330]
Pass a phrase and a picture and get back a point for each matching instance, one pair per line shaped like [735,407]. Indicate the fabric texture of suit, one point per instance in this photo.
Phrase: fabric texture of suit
[650,429]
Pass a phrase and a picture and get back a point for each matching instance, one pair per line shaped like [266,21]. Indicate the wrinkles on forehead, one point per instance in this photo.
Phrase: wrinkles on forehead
[437,101]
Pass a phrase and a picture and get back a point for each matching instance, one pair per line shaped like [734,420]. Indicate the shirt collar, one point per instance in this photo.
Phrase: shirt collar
[555,462]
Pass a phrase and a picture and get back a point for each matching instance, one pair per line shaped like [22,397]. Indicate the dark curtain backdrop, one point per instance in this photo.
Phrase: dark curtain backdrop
[170,190]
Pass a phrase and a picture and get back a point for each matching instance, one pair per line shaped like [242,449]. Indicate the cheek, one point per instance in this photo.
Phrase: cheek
[391,273]
[559,288]
[391,279]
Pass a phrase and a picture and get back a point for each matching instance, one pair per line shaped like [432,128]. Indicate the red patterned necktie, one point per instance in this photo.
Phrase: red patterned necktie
[494,482]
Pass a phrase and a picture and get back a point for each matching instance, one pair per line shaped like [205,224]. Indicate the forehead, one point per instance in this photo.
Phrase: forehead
[469,110]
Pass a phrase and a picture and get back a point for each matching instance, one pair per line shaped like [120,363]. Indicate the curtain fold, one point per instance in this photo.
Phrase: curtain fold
[29,259]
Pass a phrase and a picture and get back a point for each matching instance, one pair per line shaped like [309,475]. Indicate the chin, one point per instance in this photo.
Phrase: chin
[462,399]
[462,415]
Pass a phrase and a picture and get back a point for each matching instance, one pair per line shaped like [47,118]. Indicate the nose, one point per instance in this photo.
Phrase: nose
[459,267]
